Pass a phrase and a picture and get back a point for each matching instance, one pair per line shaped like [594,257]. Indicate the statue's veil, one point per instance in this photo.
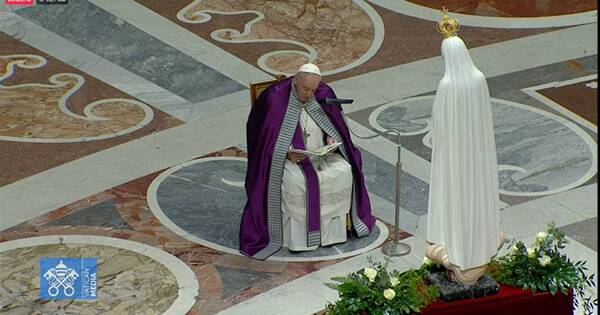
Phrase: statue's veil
[462,80]
[464,200]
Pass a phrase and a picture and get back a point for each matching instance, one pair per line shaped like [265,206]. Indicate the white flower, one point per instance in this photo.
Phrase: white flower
[514,249]
[389,294]
[545,260]
[394,281]
[370,273]
[540,236]
[531,252]
[426,261]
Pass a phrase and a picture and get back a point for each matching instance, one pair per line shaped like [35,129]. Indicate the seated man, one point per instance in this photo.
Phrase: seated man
[294,200]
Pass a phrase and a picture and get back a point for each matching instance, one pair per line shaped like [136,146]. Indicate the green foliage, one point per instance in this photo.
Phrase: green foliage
[538,268]
[362,292]
[543,268]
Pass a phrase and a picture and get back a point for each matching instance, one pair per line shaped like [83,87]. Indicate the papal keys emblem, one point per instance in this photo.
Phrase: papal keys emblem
[59,277]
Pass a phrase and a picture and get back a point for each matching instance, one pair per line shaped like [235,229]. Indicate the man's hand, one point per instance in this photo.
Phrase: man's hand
[295,157]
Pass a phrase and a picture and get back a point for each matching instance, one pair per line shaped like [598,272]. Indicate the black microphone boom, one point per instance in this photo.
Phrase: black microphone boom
[330,101]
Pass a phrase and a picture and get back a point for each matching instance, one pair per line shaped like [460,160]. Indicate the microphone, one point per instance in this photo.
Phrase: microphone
[333,101]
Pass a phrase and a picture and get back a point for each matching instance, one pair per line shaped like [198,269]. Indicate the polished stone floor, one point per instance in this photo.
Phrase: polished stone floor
[122,136]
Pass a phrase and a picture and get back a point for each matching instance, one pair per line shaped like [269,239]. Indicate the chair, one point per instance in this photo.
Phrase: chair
[258,87]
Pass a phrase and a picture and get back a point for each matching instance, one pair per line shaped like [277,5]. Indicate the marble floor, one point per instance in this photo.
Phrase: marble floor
[122,136]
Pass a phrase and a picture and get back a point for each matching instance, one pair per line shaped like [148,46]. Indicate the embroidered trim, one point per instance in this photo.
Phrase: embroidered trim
[326,199]
[274,217]
[318,115]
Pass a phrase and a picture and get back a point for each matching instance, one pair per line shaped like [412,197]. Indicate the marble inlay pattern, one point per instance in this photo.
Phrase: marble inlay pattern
[501,14]
[585,232]
[539,153]
[579,98]
[128,282]
[202,200]
[524,87]
[380,177]
[406,38]
[53,113]
[224,279]
[535,8]
[235,280]
[119,42]
[34,112]
[102,214]
[336,35]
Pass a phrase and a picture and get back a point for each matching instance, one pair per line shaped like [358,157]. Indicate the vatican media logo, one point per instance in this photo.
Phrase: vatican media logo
[64,278]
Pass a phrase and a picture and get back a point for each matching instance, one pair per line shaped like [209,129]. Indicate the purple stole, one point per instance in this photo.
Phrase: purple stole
[313,203]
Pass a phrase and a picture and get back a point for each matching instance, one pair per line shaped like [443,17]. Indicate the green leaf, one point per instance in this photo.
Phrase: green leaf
[332,285]
[553,288]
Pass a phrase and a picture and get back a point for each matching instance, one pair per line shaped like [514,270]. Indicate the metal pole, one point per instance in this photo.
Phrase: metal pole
[397,213]
[397,248]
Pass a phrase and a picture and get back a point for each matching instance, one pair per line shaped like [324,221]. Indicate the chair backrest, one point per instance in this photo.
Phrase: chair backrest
[258,87]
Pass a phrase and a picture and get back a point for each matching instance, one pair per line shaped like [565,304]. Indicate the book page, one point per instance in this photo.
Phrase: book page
[318,152]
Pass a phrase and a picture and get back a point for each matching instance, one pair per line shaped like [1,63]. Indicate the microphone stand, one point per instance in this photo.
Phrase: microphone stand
[394,247]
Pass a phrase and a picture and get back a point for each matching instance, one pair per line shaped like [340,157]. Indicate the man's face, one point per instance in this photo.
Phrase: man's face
[306,85]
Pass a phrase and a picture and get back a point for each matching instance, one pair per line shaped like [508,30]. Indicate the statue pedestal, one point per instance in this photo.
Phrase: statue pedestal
[510,300]
[451,290]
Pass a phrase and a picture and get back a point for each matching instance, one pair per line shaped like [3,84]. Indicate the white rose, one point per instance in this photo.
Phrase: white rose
[370,273]
[545,260]
[389,294]
[531,252]
[540,236]
[426,261]
[394,281]
[514,249]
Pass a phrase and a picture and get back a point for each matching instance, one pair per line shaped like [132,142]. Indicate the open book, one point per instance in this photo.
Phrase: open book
[318,152]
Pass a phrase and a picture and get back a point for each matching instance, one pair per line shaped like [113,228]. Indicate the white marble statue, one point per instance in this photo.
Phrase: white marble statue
[463,215]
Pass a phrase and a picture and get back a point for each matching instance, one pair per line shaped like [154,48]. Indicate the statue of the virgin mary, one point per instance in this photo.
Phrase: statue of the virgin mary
[463,217]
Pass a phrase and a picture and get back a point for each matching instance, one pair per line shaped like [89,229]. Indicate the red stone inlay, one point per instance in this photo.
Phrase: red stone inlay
[511,8]
[580,98]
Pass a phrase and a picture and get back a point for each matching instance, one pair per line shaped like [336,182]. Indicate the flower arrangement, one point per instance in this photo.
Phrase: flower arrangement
[375,290]
[542,267]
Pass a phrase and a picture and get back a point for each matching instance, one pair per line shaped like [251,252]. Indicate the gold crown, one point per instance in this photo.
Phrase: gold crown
[447,26]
